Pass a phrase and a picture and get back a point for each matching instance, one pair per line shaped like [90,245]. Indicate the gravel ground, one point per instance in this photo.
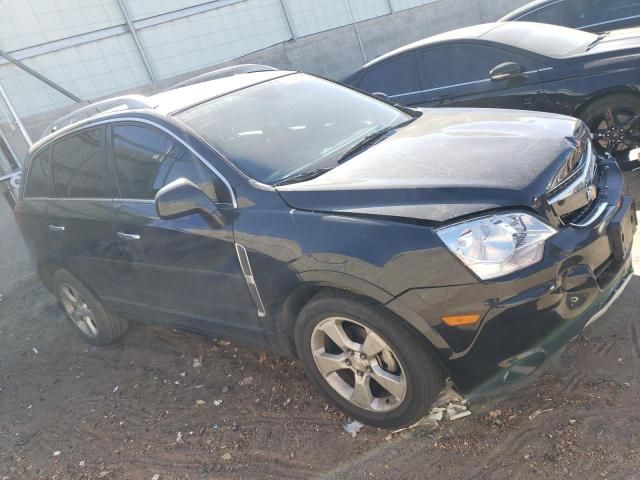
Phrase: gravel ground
[175,405]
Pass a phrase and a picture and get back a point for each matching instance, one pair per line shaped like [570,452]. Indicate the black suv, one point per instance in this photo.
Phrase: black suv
[386,248]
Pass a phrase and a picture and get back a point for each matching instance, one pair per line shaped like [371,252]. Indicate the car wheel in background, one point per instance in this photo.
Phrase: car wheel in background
[375,368]
[615,123]
[96,325]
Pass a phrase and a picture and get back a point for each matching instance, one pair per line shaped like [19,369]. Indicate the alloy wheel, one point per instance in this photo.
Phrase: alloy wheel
[78,310]
[616,130]
[358,364]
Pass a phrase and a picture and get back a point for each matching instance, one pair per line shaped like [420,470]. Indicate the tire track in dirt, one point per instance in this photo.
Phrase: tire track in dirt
[574,380]
[508,446]
[635,340]
[606,346]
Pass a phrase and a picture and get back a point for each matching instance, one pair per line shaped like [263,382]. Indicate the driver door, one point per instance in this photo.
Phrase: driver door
[185,270]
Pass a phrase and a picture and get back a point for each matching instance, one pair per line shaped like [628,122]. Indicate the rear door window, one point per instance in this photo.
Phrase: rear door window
[39,174]
[563,12]
[147,159]
[606,11]
[398,78]
[462,64]
[78,166]
[584,13]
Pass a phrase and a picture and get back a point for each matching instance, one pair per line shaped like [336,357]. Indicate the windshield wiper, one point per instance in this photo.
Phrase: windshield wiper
[303,176]
[601,36]
[370,139]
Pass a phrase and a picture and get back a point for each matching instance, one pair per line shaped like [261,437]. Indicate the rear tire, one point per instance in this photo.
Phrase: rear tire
[615,123]
[375,368]
[96,325]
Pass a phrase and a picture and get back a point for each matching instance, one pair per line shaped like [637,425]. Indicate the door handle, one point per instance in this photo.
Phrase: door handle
[128,236]
[56,228]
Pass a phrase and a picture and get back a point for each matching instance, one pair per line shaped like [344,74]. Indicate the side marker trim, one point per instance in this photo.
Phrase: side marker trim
[243,258]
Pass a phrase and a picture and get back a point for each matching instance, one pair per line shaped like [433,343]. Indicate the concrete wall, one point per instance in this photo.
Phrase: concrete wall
[333,53]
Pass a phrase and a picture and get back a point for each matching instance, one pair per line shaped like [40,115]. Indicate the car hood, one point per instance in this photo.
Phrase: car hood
[446,164]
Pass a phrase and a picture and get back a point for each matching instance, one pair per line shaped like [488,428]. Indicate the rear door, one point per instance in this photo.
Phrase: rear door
[603,15]
[80,210]
[185,269]
[31,212]
[459,76]
[590,15]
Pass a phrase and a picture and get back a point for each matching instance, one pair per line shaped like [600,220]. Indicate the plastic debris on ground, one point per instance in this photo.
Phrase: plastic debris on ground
[450,403]
[352,427]
[539,412]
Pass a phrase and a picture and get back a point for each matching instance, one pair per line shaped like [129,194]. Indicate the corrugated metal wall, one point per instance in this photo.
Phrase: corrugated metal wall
[85,46]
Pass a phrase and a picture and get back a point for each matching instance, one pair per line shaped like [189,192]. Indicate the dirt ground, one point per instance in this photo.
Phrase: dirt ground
[135,410]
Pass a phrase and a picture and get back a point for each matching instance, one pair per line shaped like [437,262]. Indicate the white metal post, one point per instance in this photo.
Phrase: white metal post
[15,116]
[287,19]
[355,26]
[134,33]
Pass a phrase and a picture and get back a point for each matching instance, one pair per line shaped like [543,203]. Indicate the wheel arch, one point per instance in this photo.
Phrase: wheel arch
[617,90]
[293,303]
[294,297]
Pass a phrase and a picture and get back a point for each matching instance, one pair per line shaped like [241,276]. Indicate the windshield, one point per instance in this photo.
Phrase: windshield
[289,125]
[548,40]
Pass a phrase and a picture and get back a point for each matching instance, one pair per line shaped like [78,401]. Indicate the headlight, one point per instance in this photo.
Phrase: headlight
[497,245]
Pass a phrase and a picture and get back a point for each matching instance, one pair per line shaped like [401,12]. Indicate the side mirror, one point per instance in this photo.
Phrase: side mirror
[182,197]
[381,96]
[507,71]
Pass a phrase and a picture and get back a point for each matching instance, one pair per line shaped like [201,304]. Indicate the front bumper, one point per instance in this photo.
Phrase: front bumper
[530,315]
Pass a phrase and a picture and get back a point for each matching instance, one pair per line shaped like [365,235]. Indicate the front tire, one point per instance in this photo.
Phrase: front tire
[96,325]
[375,368]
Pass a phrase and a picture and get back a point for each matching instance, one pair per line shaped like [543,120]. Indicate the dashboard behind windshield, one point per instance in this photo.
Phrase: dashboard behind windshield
[287,125]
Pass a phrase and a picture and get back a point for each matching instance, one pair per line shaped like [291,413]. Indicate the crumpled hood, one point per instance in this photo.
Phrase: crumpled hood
[447,163]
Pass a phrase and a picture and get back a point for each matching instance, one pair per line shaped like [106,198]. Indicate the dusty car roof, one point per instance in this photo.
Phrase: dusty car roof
[181,98]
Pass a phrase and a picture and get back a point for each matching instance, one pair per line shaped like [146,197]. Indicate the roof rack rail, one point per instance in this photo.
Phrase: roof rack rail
[128,102]
[222,73]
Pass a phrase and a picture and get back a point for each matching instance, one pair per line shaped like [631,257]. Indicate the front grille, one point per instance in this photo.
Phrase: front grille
[575,197]
[580,215]
[602,269]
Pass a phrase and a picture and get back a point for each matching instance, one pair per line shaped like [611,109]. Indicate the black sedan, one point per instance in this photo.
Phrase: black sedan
[589,15]
[521,65]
